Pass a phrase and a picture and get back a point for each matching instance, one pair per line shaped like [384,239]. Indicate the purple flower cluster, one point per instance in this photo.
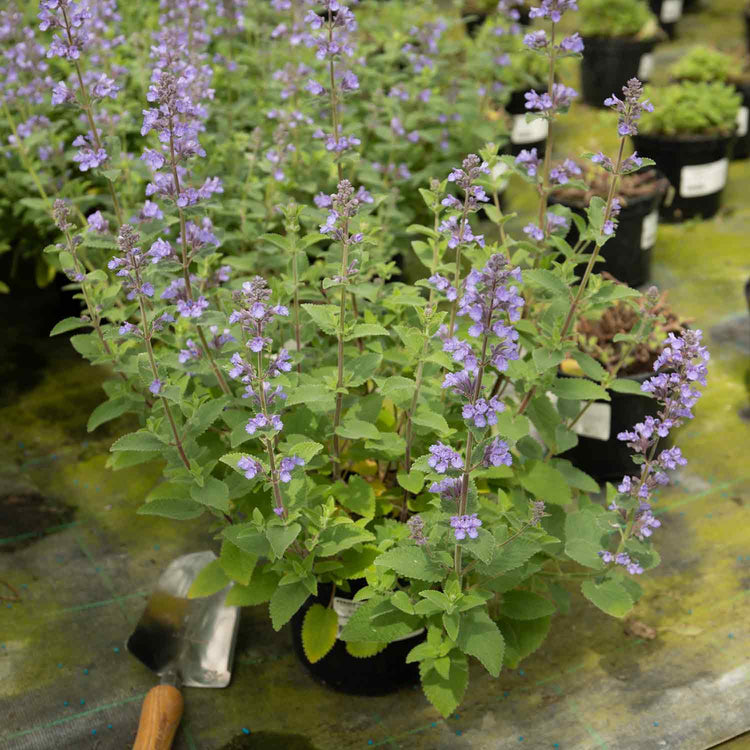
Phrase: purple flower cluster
[423,49]
[553,223]
[497,454]
[630,107]
[342,206]
[456,227]
[482,412]
[416,530]
[443,458]
[529,161]
[552,9]
[130,264]
[560,99]
[538,40]
[466,525]
[621,558]
[24,70]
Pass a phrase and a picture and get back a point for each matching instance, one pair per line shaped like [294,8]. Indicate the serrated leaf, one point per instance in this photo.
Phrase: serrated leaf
[210,580]
[306,394]
[68,324]
[306,450]
[583,538]
[325,317]
[364,649]
[285,602]
[319,632]
[361,369]
[260,589]
[399,390]
[168,507]
[483,547]
[143,440]
[548,281]
[525,605]
[590,366]
[446,694]
[610,596]
[410,562]
[575,477]
[206,415]
[109,410]
[362,330]
[213,494]
[480,637]
[432,420]
[522,637]
[627,385]
[545,482]
[356,429]
[236,563]
[357,495]
[411,482]
[579,389]
[280,537]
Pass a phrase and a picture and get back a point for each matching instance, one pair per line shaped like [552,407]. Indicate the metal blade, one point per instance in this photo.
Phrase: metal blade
[193,638]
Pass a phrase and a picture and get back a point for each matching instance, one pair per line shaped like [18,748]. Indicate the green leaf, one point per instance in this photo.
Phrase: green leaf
[361,369]
[356,429]
[357,495]
[319,632]
[410,562]
[545,482]
[590,366]
[210,580]
[627,385]
[610,596]
[109,410]
[306,450]
[377,620]
[548,281]
[522,637]
[446,694]
[169,507]
[580,389]
[68,324]
[525,605]
[575,477]
[481,638]
[483,547]
[361,330]
[545,360]
[411,482]
[248,538]
[143,440]
[340,537]
[324,316]
[399,390]
[236,563]
[205,415]
[364,649]
[213,494]
[430,419]
[308,394]
[583,538]
[259,590]
[280,537]
[285,602]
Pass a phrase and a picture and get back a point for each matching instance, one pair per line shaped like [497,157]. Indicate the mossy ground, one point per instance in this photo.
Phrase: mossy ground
[591,686]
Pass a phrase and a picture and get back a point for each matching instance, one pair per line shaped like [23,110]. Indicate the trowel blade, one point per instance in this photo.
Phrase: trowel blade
[193,638]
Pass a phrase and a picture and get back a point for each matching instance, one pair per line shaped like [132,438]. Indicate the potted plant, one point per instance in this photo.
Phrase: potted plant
[618,40]
[669,13]
[626,339]
[706,64]
[627,256]
[689,136]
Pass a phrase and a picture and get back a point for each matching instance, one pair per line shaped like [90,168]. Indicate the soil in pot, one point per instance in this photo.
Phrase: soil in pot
[696,167]
[609,63]
[627,255]
[381,674]
[669,13]
[525,135]
[599,453]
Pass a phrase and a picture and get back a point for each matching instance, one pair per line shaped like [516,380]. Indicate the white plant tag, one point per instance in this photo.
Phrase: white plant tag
[345,608]
[743,117]
[499,170]
[596,422]
[645,67]
[671,10]
[528,132]
[648,230]
[697,180]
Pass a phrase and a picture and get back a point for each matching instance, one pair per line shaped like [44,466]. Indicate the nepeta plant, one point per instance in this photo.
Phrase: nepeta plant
[396,442]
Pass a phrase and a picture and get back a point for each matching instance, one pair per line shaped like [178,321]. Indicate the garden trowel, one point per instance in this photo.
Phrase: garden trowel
[186,642]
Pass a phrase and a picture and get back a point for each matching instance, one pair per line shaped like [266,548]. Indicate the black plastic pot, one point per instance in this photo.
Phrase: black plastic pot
[474,20]
[742,145]
[627,255]
[608,460]
[609,63]
[525,135]
[746,14]
[669,13]
[381,674]
[696,167]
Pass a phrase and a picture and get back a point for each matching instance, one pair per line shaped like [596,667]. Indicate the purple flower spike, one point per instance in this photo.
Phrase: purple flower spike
[444,458]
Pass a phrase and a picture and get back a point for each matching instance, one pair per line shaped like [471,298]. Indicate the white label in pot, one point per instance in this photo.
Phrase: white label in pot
[345,608]
[671,10]
[743,116]
[648,230]
[528,132]
[645,67]
[697,180]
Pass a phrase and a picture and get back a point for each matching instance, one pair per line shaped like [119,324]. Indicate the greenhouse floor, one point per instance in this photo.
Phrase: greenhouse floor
[77,564]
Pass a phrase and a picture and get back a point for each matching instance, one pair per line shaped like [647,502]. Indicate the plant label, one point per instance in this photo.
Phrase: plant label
[596,422]
[645,67]
[743,116]
[671,10]
[698,180]
[528,132]
[648,230]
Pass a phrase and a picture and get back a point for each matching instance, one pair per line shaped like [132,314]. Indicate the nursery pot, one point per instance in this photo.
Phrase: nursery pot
[746,14]
[610,62]
[525,135]
[599,453]
[742,145]
[627,255]
[669,13]
[696,167]
[383,673]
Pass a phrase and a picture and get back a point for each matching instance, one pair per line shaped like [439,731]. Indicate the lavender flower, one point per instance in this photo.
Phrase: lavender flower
[631,108]
[552,9]
[416,530]
[287,465]
[497,454]
[483,412]
[529,161]
[444,458]
[465,525]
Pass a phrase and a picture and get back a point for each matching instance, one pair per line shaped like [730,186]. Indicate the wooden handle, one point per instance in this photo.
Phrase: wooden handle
[160,717]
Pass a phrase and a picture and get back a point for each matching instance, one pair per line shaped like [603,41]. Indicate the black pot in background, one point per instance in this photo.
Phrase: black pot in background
[696,166]
[742,145]
[610,62]
[608,460]
[669,13]
[746,14]
[627,255]
[525,135]
[381,674]
[473,20]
